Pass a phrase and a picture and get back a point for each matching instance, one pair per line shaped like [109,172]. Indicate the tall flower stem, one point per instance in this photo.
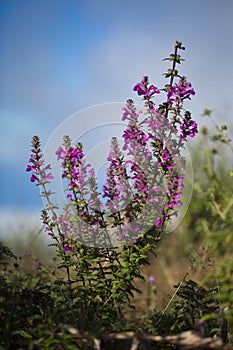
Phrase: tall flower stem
[172,73]
[42,177]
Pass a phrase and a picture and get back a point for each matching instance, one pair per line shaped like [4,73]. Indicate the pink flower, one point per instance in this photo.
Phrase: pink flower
[158,223]
[117,187]
[140,89]
[67,248]
[171,204]
[61,153]
[34,178]
[176,196]
[180,91]
[129,111]
[143,89]
[188,127]
[151,279]
[36,162]
[151,91]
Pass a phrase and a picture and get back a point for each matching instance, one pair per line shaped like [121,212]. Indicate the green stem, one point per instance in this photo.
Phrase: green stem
[64,255]
[168,105]
[172,298]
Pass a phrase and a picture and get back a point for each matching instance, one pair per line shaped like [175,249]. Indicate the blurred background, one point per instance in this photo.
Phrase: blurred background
[60,56]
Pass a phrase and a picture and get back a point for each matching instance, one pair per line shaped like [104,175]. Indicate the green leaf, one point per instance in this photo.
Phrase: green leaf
[5,250]
[23,334]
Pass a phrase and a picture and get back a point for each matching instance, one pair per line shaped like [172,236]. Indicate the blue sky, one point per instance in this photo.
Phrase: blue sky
[60,56]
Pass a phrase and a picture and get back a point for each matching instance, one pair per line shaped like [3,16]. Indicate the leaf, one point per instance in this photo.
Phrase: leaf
[23,334]
[5,250]
[209,317]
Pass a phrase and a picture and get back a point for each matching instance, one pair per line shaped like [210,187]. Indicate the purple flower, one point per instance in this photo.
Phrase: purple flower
[129,111]
[180,91]
[133,185]
[122,237]
[34,178]
[48,176]
[61,153]
[36,162]
[188,127]
[117,186]
[171,204]
[81,182]
[32,167]
[151,91]
[143,89]
[151,279]
[140,89]
[75,155]
[201,325]
[94,201]
[176,196]
[158,223]
[68,248]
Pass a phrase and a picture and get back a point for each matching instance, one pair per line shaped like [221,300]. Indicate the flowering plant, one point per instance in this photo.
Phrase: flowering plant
[103,238]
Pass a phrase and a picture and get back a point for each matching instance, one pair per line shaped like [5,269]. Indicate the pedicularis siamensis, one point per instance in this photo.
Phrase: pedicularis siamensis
[103,238]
